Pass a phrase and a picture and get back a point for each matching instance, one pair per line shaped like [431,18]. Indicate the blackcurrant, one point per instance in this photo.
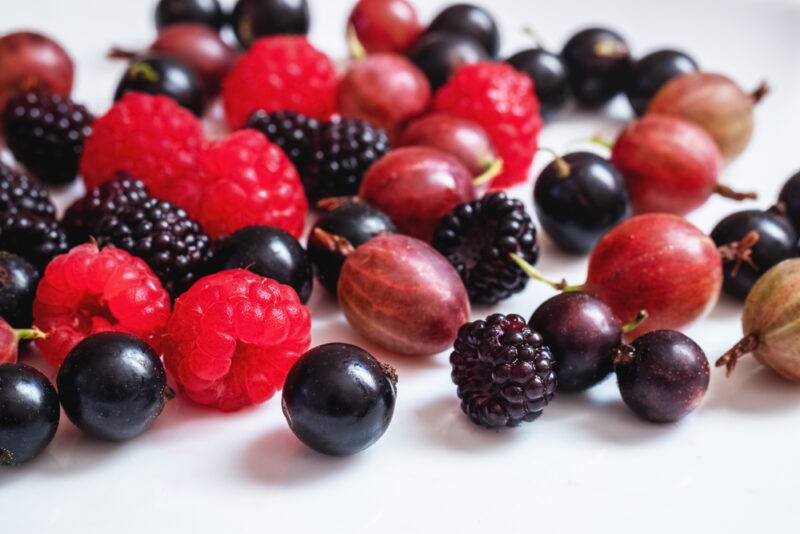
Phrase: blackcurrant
[790,198]
[598,61]
[18,282]
[29,413]
[471,21]
[751,242]
[549,75]
[338,399]
[439,55]
[578,198]
[112,386]
[268,252]
[252,19]
[651,72]
[208,12]
[163,76]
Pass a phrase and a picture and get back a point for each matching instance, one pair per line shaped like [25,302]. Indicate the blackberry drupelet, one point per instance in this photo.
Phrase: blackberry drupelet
[19,192]
[478,238]
[293,132]
[504,371]
[45,132]
[342,153]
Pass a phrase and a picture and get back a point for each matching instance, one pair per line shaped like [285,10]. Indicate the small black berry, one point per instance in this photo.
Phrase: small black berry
[18,282]
[20,193]
[161,75]
[293,132]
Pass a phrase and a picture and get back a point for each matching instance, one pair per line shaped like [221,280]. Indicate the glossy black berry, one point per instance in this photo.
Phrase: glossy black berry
[46,133]
[252,19]
[112,386]
[208,12]
[29,413]
[37,239]
[157,75]
[439,55]
[338,399]
[293,132]
[751,242]
[355,222]
[662,375]
[268,252]
[18,282]
[504,371]
[478,238]
[790,198]
[598,62]
[471,21]
[549,75]
[650,73]
[578,198]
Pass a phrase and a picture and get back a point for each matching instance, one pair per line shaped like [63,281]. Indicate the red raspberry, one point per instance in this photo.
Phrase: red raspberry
[281,73]
[233,338]
[246,180]
[502,101]
[87,291]
[150,137]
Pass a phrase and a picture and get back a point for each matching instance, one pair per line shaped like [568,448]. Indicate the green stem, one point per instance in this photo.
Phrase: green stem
[602,141]
[636,323]
[534,35]
[357,50]
[30,333]
[562,167]
[492,171]
[528,269]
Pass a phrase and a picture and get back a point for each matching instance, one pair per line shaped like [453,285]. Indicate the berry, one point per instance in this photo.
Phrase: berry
[477,238]
[502,101]
[384,25]
[233,338]
[470,21]
[598,62]
[10,338]
[662,375]
[112,386]
[163,76]
[652,72]
[149,137]
[29,415]
[578,198]
[252,19]
[293,132]
[338,399]
[21,194]
[207,12]
[46,133]
[18,281]
[267,252]
[549,75]
[356,223]
[283,73]
[88,291]
[246,180]
[503,370]
[439,55]
[342,152]
[789,196]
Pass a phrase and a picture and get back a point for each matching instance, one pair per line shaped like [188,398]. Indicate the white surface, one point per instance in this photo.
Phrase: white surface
[587,464]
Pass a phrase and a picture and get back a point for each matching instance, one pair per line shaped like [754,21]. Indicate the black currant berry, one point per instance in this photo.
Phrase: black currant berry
[549,75]
[18,282]
[268,252]
[112,386]
[163,76]
[578,198]
[651,72]
[751,242]
[790,197]
[598,61]
[29,413]
[471,21]
[662,375]
[252,19]
[208,12]
[338,399]
[439,55]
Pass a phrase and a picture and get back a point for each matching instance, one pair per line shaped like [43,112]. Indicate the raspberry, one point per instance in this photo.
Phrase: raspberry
[502,101]
[503,370]
[149,137]
[246,180]
[233,338]
[46,133]
[477,238]
[293,132]
[88,291]
[280,73]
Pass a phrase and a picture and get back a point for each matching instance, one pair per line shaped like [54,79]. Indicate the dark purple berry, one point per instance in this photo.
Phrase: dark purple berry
[471,21]
[598,62]
[208,12]
[252,19]
[20,193]
[439,55]
[18,282]
[293,132]
[158,75]
[652,72]
[549,75]
[790,197]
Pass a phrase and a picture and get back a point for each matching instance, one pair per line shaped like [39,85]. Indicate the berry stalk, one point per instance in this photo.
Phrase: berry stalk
[531,271]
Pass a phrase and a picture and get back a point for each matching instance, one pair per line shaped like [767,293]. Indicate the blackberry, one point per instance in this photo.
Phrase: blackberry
[293,132]
[20,193]
[343,151]
[82,217]
[164,236]
[504,371]
[46,133]
[478,238]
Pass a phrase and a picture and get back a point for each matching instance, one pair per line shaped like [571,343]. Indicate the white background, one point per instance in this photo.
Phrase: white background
[587,464]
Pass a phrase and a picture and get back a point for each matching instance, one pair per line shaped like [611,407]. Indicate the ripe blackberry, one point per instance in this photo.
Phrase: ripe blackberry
[504,371]
[293,132]
[342,153]
[163,235]
[478,238]
[20,193]
[45,133]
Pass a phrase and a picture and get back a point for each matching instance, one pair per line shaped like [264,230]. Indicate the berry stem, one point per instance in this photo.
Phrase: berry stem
[492,171]
[738,196]
[29,333]
[760,92]
[528,269]
[562,167]
[122,53]
[335,243]
[334,203]
[636,323]
[601,141]
[534,36]
[740,252]
[357,50]
[6,458]
[747,345]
